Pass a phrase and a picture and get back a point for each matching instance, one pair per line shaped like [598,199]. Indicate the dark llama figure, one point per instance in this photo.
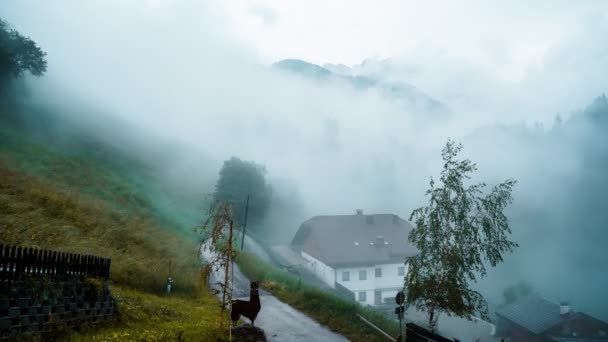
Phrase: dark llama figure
[249,308]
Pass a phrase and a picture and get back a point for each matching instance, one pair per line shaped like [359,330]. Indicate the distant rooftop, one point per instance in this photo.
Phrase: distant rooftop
[533,313]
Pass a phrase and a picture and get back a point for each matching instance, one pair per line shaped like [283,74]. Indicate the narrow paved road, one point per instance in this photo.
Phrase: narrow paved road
[280,321]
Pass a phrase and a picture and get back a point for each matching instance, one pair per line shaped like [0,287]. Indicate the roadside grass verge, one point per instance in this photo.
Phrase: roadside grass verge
[326,308]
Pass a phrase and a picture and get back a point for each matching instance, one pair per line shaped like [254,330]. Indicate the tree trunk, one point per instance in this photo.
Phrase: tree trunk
[433,318]
[225,285]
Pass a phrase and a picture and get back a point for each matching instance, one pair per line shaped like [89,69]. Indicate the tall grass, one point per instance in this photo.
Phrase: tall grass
[328,309]
[146,317]
[39,215]
[82,197]
[79,163]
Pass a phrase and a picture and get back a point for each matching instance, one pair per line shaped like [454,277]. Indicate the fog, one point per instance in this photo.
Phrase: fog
[180,72]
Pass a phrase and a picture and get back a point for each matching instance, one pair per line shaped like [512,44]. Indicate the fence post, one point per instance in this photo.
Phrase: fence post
[78,265]
[38,263]
[25,261]
[73,268]
[13,263]
[107,270]
[30,261]
[61,265]
[46,263]
[19,263]
[2,260]
[53,263]
[57,264]
[97,265]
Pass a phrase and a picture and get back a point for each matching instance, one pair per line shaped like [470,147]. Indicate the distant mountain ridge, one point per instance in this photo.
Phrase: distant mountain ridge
[392,90]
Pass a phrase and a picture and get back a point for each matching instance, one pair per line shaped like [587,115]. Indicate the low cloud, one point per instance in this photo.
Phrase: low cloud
[177,71]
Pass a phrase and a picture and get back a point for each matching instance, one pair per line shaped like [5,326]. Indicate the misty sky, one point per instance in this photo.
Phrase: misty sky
[197,72]
[457,51]
[509,37]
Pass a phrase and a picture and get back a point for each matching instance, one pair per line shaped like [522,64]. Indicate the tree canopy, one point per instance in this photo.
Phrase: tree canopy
[456,234]
[239,179]
[512,293]
[19,54]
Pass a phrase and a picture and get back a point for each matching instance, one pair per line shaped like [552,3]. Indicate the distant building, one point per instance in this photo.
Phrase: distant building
[534,319]
[362,253]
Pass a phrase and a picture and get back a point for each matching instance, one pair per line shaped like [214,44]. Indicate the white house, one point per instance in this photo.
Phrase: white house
[363,253]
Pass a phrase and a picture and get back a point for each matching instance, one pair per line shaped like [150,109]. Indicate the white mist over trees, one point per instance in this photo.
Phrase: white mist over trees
[175,72]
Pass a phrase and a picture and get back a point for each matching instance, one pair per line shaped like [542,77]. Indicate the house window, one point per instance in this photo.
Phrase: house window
[362,296]
[378,272]
[363,275]
[401,271]
[345,276]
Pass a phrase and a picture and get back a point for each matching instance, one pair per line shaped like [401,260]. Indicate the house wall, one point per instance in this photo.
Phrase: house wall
[322,271]
[389,283]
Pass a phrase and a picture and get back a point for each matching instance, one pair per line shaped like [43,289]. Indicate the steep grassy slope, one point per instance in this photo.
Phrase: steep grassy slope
[41,215]
[76,194]
[61,154]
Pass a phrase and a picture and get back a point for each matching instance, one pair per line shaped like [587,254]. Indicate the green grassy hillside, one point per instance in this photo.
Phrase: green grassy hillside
[62,154]
[73,193]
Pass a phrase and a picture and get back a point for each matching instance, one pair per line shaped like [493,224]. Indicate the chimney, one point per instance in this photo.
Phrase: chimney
[380,241]
[359,211]
[564,308]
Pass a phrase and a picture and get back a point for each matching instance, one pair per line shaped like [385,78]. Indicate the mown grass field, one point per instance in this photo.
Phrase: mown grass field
[336,313]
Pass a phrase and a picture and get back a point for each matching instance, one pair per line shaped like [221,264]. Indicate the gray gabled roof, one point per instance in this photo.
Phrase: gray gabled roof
[533,313]
[344,240]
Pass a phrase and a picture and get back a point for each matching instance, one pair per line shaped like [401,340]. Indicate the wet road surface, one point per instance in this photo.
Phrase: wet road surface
[280,321]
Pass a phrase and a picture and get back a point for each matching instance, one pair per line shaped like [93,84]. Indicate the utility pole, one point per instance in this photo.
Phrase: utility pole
[245,222]
[400,299]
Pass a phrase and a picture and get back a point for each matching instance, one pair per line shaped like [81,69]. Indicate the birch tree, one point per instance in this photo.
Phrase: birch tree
[217,230]
[457,234]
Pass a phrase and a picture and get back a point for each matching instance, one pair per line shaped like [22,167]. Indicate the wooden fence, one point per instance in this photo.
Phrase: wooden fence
[17,262]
